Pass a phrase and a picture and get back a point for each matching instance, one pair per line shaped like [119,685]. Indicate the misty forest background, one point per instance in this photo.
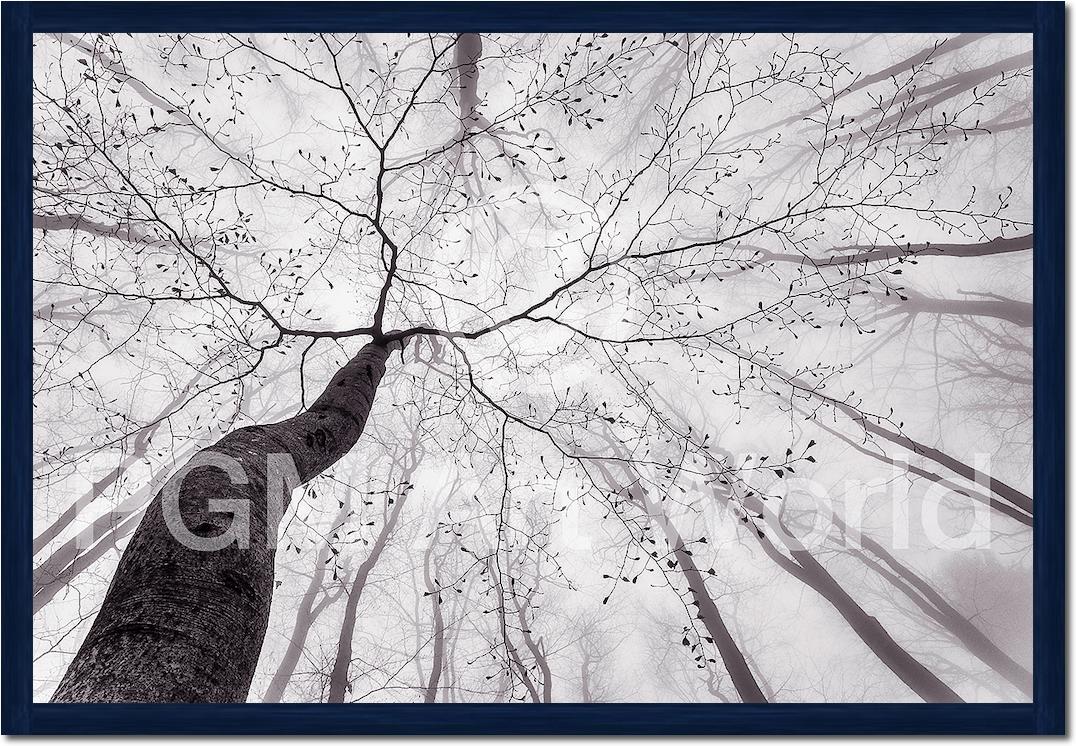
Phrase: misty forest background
[656,286]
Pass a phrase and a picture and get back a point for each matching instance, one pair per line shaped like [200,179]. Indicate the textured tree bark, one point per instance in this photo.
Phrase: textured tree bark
[179,624]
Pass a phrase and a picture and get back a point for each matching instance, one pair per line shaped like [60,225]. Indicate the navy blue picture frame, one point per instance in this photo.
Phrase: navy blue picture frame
[1045,715]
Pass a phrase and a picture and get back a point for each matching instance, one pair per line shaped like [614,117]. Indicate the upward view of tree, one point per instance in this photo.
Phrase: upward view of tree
[492,367]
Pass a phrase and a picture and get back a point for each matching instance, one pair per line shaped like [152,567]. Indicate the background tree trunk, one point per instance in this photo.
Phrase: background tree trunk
[304,620]
[339,680]
[731,656]
[433,590]
[933,604]
[806,568]
[536,647]
[310,607]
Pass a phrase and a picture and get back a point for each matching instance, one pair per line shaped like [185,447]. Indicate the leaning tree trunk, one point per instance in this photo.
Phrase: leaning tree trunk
[310,608]
[933,604]
[537,648]
[803,566]
[339,679]
[743,679]
[67,563]
[433,590]
[181,624]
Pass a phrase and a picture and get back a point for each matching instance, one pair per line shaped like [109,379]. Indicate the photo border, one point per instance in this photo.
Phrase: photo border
[1045,715]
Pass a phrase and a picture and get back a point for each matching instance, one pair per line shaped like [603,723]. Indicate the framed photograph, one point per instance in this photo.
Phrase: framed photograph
[533,368]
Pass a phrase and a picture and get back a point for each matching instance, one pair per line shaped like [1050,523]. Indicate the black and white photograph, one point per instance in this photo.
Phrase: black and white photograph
[532,367]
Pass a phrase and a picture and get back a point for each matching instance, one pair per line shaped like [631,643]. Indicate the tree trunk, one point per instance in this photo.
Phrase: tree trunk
[433,590]
[932,603]
[810,571]
[731,655]
[66,563]
[468,50]
[1014,311]
[524,676]
[181,624]
[536,647]
[1016,498]
[584,678]
[339,680]
[304,619]
[138,450]
[995,503]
